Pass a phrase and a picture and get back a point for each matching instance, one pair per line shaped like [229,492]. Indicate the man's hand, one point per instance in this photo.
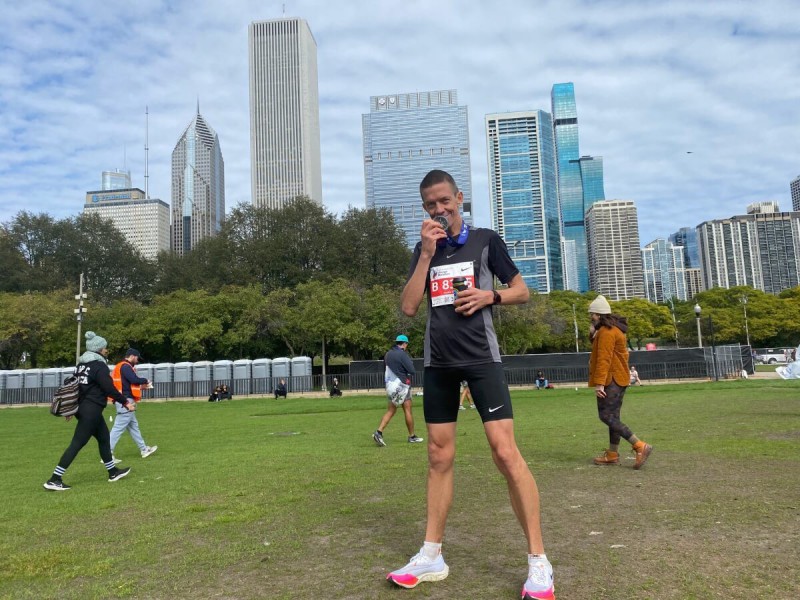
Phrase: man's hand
[431,233]
[472,300]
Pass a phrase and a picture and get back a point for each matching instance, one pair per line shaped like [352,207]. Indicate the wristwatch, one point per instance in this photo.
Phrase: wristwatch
[497,299]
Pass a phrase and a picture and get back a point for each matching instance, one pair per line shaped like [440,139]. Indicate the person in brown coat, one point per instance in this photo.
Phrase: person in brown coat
[610,376]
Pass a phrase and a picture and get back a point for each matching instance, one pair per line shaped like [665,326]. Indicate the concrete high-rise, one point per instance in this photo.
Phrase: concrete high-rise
[404,137]
[615,258]
[794,188]
[284,113]
[523,194]
[143,221]
[664,271]
[580,179]
[760,249]
[198,186]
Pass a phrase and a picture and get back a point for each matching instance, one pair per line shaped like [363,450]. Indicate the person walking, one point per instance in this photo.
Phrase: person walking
[461,344]
[610,376]
[465,396]
[130,385]
[397,378]
[95,385]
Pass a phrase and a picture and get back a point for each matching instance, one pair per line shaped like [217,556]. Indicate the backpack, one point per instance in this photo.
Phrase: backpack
[66,398]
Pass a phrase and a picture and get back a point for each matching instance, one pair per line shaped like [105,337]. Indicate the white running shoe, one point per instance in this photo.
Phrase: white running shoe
[462,407]
[419,569]
[539,585]
[114,458]
[148,451]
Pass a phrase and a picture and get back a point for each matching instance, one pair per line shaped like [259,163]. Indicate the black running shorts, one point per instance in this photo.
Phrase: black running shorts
[488,386]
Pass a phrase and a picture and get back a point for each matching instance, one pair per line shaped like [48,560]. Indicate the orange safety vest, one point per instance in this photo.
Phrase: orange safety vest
[116,377]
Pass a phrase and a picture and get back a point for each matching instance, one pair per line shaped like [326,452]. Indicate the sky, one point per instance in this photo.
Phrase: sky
[694,106]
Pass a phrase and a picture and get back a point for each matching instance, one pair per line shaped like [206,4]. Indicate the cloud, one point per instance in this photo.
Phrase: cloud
[653,81]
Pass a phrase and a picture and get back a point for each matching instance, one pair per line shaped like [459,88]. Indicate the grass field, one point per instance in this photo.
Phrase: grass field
[291,499]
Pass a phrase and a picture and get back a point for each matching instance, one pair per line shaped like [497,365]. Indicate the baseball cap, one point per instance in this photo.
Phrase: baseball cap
[402,339]
[133,352]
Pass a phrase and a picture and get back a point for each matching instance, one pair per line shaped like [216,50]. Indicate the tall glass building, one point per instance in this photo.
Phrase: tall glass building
[580,179]
[198,186]
[523,194]
[405,136]
[116,180]
[687,237]
[284,113]
[664,272]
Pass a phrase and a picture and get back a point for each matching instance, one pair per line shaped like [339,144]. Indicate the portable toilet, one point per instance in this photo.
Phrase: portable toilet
[222,372]
[33,386]
[261,369]
[302,375]
[182,380]
[282,369]
[146,370]
[2,387]
[51,378]
[242,372]
[201,377]
[162,380]
[14,392]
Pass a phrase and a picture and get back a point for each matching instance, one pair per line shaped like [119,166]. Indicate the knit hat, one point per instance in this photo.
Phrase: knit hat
[95,343]
[600,306]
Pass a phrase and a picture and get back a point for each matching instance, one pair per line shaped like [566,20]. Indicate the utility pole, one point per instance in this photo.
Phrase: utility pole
[79,316]
[575,322]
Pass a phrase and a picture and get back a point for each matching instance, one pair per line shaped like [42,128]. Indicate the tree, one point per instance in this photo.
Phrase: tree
[645,319]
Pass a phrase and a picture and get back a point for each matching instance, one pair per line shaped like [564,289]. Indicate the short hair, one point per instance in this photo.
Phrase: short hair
[435,177]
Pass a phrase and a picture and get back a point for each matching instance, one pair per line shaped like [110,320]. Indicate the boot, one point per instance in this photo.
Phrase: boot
[607,458]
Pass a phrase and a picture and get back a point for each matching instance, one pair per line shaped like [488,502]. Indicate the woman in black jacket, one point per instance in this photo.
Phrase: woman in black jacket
[95,387]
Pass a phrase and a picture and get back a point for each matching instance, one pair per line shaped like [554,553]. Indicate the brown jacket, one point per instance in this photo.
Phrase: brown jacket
[609,359]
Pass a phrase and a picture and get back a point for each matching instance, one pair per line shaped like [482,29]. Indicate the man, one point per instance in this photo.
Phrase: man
[541,381]
[460,344]
[397,377]
[280,389]
[95,385]
[130,385]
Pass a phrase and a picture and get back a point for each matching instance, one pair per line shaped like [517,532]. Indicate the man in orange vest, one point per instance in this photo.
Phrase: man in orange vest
[130,385]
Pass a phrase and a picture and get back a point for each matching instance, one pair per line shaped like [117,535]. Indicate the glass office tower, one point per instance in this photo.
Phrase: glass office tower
[687,237]
[524,194]
[580,179]
[405,136]
[664,272]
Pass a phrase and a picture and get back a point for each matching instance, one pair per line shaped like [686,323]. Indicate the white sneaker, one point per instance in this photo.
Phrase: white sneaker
[419,569]
[148,451]
[462,407]
[539,585]
[114,458]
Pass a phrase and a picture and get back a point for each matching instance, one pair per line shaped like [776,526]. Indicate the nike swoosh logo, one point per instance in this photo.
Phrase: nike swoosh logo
[496,408]
[451,255]
[466,268]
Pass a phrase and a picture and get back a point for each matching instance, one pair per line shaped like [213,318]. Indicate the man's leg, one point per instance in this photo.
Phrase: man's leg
[390,410]
[120,425]
[522,488]
[409,417]
[441,457]
[136,434]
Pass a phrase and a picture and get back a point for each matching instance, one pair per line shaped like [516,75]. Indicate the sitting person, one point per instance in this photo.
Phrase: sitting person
[635,376]
[335,391]
[221,392]
[280,389]
[541,381]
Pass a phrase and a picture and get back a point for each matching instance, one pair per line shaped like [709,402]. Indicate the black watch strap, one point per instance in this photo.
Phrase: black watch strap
[497,297]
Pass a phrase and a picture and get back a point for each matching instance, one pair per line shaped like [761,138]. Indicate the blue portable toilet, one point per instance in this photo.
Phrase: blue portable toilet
[202,371]
[33,386]
[261,369]
[162,380]
[182,380]
[242,373]
[14,392]
[302,374]
[282,369]
[222,371]
[51,378]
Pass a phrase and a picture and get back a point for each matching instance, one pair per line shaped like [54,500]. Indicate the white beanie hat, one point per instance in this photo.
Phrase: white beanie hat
[600,306]
[95,343]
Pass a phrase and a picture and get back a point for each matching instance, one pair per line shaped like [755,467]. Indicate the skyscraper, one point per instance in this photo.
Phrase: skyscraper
[143,221]
[794,188]
[687,238]
[198,185]
[116,180]
[664,272]
[759,249]
[580,179]
[284,113]
[615,258]
[523,194]
[405,136]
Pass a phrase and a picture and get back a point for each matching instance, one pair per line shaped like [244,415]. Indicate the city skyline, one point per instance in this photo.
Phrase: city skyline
[672,96]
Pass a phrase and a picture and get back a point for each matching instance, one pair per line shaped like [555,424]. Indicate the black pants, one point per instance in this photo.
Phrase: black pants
[90,424]
[609,409]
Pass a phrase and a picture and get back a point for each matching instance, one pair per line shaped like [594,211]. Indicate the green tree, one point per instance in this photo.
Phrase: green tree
[645,320]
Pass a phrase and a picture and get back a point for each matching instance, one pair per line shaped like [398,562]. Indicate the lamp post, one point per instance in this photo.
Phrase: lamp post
[746,328]
[674,321]
[575,322]
[697,310]
[79,316]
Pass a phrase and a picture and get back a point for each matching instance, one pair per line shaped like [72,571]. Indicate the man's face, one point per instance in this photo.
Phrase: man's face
[442,200]
[104,351]
[133,359]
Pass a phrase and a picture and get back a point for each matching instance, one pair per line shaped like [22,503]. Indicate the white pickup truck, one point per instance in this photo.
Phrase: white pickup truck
[771,356]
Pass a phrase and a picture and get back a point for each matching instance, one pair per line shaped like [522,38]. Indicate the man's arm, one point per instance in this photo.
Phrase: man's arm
[414,290]
[129,375]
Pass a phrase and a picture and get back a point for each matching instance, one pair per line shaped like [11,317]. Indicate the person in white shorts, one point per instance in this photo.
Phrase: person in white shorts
[397,378]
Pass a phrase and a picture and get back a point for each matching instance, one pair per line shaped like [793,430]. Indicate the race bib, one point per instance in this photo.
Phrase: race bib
[441,282]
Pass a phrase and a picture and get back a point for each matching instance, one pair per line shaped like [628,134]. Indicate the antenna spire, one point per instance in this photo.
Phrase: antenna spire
[198,104]
[146,152]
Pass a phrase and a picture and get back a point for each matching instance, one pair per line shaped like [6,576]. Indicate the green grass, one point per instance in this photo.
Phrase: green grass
[291,499]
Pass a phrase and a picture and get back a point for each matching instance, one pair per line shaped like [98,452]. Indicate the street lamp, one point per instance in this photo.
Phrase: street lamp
[699,335]
[575,322]
[674,321]
[79,316]
[746,328]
